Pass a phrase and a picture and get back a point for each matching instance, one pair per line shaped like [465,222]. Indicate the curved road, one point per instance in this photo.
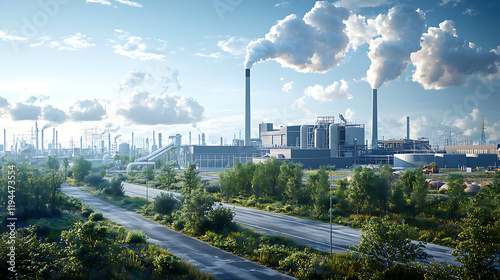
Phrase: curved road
[206,257]
[309,232]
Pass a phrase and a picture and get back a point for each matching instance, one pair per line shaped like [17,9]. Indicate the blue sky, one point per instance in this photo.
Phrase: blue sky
[178,66]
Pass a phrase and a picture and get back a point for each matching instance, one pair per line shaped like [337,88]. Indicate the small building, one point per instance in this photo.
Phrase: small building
[447,161]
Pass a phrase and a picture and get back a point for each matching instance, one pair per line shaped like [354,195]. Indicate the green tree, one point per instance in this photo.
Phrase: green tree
[455,194]
[398,200]
[260,181]
[419,191]
[166,203]
[366,190]
[52,163]
[407,180]
[66,166]
[319,188]
[167,176]
[81,168]
[479,246]
[195,211]
[291,178]
[385,244]
[191,179]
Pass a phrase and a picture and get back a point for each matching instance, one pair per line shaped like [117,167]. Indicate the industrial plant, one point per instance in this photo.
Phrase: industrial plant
[329,141]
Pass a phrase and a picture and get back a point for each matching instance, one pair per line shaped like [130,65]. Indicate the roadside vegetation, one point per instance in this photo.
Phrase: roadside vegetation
[59,237]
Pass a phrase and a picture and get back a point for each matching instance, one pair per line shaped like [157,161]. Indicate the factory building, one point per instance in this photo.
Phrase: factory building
[473,149]
[314,145]
[215,157]
[447,161]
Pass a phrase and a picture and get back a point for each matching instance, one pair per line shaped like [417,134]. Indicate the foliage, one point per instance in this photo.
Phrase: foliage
[220,218]
[167,176]
[166,203]
[96,181]
[290,178]
[52,163]
[455,194]
[386,244]
[479,248]
[319,188]
[116,187]
[81,168]
[191,179]
[136,237]
[368,190]
[96,216]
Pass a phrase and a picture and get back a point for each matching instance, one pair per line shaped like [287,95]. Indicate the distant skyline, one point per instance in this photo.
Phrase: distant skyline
[178,66]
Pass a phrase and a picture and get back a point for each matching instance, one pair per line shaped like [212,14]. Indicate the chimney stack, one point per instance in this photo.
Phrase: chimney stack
[408,128]
[247,108]
[374,120]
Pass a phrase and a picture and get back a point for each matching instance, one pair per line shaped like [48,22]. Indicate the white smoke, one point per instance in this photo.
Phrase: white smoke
[315,43]
[401,30]
[445,60]
[359,30]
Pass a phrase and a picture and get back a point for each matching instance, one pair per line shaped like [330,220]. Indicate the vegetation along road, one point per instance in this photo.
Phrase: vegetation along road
[304,231]
[206,257]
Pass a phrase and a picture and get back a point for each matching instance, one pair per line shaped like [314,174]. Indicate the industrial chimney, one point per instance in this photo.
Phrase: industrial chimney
[42,142]
[159,140]
[247,107]
[408,128]
[374,120]
[36,131]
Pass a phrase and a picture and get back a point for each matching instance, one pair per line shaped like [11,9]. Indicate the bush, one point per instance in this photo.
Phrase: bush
[96,216]
[168,264]
[136,237]
[220,218]
[86,211]
[178,224]
[166,203]
[272,255]
[96,181]
[116,187]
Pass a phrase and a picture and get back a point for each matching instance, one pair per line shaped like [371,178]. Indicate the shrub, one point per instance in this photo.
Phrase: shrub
[178,224]
[86,211]
[166,203]
[220,218]
[96,181]
[136,237]
[96,216]
[116,187]
[288,208]
[272,255]
[168,263]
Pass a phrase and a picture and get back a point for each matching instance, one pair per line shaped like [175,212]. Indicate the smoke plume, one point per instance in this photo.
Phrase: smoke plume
[315,43]
[401,30]
[445,60]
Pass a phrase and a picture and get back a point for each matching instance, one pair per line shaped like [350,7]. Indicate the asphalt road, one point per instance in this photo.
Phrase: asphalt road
[206,257]
[304,231]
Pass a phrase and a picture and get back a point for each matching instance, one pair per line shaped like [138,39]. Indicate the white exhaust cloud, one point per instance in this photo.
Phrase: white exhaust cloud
[401,30]
[315,43]
[445,60]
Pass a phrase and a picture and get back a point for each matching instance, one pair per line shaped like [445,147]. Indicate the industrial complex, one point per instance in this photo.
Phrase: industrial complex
[329,141]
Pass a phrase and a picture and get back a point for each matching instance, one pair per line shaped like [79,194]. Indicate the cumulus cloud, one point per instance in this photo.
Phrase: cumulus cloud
[36,98]
[24,112]
[359,30]
[349,114]
[400,30]
[75,42]
[87,110]
[356,4]
[315,43]
[3,102]
[134,79]
[54,115]
[445,60]
[155,79]
[147,109]
[234,45]
[9,37]
[335,91]
[135,47]
[287,87]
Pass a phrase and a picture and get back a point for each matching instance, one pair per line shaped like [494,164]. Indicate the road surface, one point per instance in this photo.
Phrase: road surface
[304,231]
[206,257]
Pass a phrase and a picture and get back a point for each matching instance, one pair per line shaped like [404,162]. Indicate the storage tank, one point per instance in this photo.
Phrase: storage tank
[333,132]
[123,149]
[303,136]
[320,138]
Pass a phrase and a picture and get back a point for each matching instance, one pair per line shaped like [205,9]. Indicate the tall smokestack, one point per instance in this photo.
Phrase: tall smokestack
[190,138]
[132,146]
[408,128]
[53,138]
[247,107]
[5,140]
[81,145]
[221,141]
[36,137]
[159,140]
[374,120]
[57,133]
[42,141]
[109,143]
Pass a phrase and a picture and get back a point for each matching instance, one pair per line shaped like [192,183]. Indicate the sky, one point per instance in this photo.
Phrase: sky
[117,66]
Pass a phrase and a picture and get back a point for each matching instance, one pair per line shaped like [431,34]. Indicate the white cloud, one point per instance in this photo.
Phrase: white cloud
[130,3]
[315,43]
[146,109]
[356,4]
[401,30]
[454,3]
[470,12]
[77,41]
[359,30]
[103,2]
[349,114]
[287,87]
[335,91]
[3,102]
[23,112]
[87,110]
[234,45]
[282,4]
[8,37]
[216,55]
[54,115]
[445,60]
[134,47]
